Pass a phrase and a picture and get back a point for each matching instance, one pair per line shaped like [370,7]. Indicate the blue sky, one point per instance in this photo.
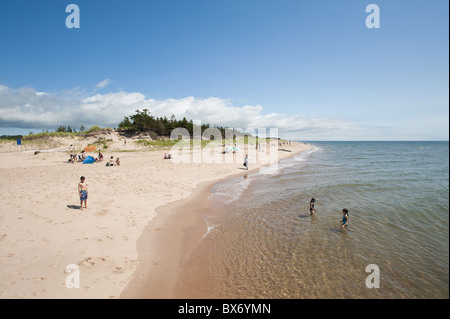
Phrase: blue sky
[311,68]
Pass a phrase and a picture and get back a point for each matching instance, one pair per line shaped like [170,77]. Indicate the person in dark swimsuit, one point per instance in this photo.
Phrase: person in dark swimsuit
[345,218]
[312,210]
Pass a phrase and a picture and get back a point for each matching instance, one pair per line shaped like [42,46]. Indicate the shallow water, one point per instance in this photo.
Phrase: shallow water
[262,242]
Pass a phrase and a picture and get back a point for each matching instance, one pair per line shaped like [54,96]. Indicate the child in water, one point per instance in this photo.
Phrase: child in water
[312,210]
[344,218]
[83,192]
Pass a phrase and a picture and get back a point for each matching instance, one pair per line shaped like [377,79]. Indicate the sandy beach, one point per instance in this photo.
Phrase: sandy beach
[42,229]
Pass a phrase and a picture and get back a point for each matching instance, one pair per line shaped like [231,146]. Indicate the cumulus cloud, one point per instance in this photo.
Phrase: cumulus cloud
[27,108]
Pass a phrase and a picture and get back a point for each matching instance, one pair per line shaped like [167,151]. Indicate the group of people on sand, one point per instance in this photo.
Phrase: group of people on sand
[74,157]
[111,161]
[345,214]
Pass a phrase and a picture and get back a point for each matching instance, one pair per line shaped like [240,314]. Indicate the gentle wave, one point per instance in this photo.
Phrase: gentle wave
[228,193]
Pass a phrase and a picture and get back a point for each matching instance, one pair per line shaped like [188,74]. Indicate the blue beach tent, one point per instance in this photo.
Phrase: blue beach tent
[89,160]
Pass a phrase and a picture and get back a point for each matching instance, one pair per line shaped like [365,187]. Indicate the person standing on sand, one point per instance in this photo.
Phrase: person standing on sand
[83,192]
[344,218]
[246,162]
[312,210]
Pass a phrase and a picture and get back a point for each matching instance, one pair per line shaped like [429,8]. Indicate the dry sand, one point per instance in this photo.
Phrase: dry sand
[42,229]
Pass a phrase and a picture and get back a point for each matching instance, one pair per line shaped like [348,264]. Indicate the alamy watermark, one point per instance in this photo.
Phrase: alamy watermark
[373,280]
[373,19]
[231,146]
[73,19]
[73,279]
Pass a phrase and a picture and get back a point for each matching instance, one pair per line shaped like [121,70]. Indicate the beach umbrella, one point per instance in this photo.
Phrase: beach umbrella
[89,160]
[90,148]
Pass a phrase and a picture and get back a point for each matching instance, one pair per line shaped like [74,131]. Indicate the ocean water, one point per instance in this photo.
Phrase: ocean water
[263,243]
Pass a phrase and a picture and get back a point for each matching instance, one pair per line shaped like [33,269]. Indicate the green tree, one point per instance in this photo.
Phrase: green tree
[126,123]
[143,121]
[159,128]
[184,123]
[171,124]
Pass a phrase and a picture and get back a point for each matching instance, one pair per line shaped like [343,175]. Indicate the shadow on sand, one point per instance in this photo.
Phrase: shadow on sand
[74,206]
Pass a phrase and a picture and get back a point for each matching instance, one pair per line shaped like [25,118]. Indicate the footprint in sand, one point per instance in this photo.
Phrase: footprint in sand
[118,270]
[86,262]
[102,212]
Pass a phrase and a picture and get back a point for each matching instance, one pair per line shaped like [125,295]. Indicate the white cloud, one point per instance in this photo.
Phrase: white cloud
[103,84]
[26,108]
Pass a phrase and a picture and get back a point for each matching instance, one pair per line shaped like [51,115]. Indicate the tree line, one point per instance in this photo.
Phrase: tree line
[143,121]
[68,129]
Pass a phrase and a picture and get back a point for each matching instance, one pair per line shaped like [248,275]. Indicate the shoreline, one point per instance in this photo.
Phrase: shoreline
[175,232]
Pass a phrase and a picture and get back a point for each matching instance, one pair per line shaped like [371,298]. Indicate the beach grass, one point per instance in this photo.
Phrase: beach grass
[168,143]
[102,143]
